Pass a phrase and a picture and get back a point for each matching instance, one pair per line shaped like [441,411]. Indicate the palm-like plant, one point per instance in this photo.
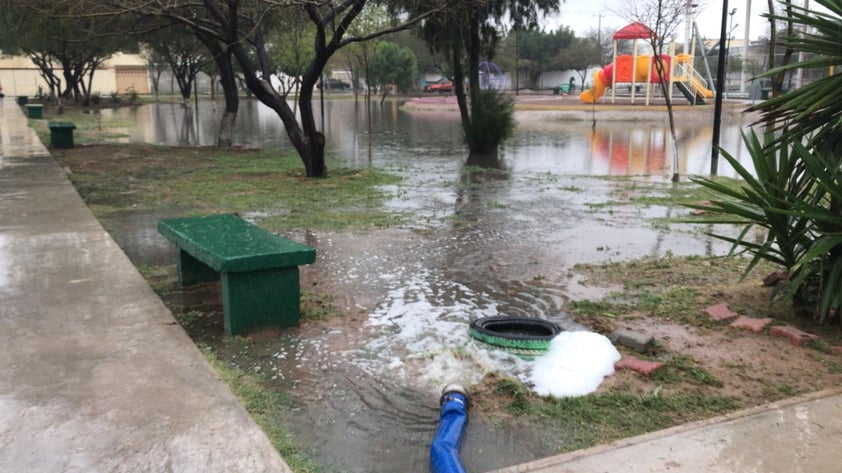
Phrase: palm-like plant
[795,193]
[815,109]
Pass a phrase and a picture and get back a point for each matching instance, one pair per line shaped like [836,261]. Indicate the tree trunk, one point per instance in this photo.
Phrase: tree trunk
[308,142]
[664,83]
[228,80]
[778,79]
[313,141]
[232,99]
[459,89]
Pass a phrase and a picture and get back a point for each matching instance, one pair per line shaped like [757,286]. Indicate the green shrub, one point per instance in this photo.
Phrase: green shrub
[492,122]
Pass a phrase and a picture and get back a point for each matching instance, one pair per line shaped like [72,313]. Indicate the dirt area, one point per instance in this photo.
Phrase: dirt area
[668,301]
[537,107]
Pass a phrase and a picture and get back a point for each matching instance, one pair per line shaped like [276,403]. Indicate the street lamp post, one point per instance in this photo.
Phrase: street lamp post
[728,46]
[517,59]
[720,78]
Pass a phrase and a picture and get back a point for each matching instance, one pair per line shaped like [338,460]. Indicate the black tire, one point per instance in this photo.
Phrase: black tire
[522,335]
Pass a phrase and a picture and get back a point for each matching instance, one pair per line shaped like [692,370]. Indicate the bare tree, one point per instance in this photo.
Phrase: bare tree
[662,17]
[789,31]
[184,55]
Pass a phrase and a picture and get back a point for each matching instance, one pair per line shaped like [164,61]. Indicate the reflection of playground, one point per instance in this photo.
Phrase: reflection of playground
[622,150]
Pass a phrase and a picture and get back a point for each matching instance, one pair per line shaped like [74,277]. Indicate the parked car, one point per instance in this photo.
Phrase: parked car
[334,84]
[441,86]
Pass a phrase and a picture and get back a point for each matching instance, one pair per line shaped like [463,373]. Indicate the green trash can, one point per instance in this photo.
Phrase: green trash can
[35,110]
[23,100]
[61,134]
[765,94]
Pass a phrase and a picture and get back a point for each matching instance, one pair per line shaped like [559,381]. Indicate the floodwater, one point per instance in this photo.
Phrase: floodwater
[496,239]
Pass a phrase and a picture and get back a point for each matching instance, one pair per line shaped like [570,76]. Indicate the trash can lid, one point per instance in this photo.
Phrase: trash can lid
[64,125]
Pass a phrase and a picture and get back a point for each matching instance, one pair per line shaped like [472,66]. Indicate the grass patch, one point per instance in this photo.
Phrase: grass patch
[212,180]
[682,368]
[603,417]
[318,306]
[267,407]
[678,289]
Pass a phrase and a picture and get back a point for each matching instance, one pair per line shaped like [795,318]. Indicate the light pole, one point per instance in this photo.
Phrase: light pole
[728,47]
[720,78]
[746,44]
[517,58]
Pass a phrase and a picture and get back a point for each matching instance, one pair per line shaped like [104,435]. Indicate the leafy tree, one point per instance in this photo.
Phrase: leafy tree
[290,49]
[358,57]
[393,65]
[464,32]
[533,51]
[67,49]
[604,40]
[582,54]
[424,58]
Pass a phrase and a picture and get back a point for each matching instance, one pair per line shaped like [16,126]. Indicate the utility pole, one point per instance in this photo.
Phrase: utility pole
[720,79]
[799,74]
[516,26]
[688,25]
[746,43]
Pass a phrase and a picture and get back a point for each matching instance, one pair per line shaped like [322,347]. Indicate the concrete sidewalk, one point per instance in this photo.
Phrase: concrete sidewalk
[95,374]
[801,434]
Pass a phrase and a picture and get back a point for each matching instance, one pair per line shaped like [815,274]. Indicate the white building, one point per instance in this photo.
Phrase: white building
[121,73]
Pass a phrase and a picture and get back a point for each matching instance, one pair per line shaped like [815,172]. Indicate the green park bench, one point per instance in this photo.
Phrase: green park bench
[259,270]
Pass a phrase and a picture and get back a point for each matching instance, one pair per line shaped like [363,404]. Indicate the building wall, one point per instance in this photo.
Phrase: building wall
[119,73]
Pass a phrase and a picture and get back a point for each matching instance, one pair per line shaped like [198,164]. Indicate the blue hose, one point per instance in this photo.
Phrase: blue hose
[444,452]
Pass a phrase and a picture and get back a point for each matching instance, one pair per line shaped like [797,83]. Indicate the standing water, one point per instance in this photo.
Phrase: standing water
[498,239]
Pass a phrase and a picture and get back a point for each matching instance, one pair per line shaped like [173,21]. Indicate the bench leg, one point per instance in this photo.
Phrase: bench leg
[256,299]
[193,271]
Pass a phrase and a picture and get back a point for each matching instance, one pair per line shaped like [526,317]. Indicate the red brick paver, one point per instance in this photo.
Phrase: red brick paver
[646,368]
[750,323]
[795,336]
[721,312]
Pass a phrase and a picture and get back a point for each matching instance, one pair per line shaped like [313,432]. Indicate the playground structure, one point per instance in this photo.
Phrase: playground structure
[637,70]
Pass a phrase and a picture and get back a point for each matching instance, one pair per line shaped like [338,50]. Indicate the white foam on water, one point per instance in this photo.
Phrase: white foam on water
[419,334]
[575,365]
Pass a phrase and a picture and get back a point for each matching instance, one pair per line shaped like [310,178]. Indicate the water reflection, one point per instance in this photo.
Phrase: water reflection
[386,136]
[630,151]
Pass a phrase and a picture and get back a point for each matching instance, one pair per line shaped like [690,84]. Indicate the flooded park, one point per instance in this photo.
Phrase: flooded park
[481,239]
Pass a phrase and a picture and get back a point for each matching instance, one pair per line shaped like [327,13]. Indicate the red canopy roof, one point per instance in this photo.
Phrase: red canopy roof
[635,31]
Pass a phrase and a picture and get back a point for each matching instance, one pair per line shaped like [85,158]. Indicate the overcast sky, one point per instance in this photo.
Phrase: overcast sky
[582,15]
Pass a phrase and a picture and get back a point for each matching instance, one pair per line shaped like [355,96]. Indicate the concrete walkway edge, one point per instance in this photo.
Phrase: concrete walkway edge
[792,435]
[95,373]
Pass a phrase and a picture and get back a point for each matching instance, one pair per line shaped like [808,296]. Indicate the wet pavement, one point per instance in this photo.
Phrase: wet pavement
[795,435]
[95,375]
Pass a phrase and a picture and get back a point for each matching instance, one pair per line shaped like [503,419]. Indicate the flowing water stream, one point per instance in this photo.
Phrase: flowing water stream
[493,240]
